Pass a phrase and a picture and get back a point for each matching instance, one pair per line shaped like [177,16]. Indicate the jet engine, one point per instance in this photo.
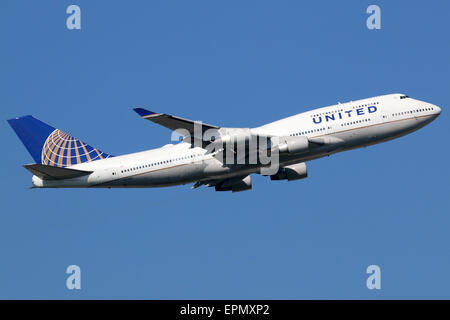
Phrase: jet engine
[235,184]
[293,172]
[293,145]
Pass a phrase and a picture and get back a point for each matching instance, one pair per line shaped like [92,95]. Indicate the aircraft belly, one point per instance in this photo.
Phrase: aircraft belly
[378,133]
[360,137]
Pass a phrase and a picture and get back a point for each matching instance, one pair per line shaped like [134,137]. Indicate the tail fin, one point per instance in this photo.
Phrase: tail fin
[50,146]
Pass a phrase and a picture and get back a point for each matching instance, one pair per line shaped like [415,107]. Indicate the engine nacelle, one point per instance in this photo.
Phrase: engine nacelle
[293,145]
[235,185]
[293,172]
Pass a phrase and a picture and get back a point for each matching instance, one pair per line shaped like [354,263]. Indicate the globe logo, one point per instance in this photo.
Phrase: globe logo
[62,150]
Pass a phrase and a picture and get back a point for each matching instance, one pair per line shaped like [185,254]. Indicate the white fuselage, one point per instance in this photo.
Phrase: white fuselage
[339,127]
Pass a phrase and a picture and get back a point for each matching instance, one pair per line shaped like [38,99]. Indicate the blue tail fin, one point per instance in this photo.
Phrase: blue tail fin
[50,146]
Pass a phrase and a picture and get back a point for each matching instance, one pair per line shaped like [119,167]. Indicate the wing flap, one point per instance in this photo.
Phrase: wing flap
[54,173]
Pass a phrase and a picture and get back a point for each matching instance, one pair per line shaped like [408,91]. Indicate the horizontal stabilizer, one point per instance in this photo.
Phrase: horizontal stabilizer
[54,173]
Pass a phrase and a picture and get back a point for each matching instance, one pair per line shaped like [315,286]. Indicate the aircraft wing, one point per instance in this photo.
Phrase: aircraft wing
[172,122]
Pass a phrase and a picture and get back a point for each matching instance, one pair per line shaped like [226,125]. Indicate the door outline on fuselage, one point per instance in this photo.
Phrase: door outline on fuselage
[112,171]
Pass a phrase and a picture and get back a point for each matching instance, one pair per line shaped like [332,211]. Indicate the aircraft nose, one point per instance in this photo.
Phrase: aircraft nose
[438,110]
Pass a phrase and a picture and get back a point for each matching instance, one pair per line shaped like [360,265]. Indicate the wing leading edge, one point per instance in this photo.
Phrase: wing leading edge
[173,122]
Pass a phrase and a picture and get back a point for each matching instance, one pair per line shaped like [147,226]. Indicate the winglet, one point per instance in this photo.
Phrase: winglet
[143,112]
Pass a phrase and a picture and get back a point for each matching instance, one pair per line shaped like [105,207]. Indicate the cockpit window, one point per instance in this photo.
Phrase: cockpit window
[403,97]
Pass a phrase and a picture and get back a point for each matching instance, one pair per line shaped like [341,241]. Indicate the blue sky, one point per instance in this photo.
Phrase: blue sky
[238,64]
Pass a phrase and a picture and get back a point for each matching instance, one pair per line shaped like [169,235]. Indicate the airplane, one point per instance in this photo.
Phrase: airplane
[220,157]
